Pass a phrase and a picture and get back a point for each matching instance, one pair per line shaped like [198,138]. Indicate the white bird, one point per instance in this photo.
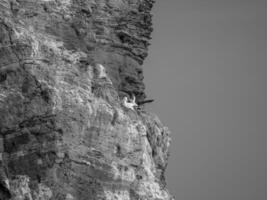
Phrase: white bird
[129,104]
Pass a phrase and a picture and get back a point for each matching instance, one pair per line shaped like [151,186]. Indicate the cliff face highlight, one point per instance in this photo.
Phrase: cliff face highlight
[65,66]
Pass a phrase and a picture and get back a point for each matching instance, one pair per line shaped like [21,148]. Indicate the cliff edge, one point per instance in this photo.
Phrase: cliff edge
[65,134]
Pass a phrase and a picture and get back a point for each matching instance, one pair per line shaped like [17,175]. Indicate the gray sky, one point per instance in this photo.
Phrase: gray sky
[206,69]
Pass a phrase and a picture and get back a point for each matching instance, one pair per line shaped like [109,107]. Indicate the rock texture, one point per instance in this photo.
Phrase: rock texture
[64,134]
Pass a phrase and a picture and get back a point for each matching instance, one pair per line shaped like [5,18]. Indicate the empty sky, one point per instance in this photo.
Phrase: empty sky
[207,72]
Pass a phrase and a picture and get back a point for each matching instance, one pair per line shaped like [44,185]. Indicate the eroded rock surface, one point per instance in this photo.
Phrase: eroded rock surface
[64,132]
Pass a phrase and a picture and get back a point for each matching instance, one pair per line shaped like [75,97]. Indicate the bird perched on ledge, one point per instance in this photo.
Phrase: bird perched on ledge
[129,103]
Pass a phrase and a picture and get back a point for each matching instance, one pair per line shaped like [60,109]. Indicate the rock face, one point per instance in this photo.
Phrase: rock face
[64,134]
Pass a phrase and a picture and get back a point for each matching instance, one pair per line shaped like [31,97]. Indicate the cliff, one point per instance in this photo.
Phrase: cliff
[65,66]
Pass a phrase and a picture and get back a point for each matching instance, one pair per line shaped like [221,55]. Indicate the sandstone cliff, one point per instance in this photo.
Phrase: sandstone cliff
[64,133]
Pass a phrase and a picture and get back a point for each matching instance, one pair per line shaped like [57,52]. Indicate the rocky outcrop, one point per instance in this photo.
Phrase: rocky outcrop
[64,134]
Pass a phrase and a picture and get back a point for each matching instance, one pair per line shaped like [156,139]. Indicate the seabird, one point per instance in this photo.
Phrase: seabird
[129,103]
